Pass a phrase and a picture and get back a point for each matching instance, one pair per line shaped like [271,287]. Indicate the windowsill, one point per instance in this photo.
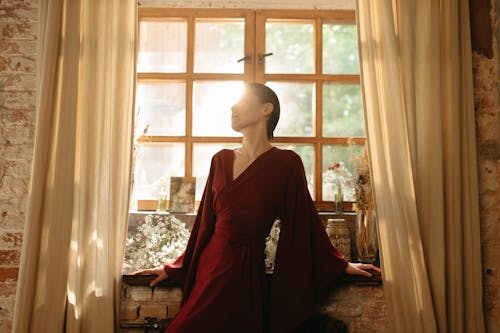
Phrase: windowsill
[145,280]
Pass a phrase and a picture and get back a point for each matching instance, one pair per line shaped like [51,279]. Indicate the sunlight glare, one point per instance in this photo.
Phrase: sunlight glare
[212,107]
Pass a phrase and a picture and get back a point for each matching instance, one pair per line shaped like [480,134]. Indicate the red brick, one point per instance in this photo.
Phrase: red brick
[8,273]
[10,257]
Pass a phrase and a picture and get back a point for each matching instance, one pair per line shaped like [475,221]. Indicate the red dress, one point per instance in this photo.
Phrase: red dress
[222,270]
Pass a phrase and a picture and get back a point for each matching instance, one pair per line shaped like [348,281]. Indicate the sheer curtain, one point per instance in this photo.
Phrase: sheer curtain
[69,279]
[417,84]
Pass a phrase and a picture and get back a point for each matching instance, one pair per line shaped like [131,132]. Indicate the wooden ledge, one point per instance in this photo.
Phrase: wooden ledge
[145,280]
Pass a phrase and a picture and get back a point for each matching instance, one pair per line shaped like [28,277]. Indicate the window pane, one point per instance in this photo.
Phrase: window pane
[297,104]
[218,46]
[161,108]
[202,155]
[162,47]
[342,154]
[155,161]
[343,111]
[212,103]
[306,152]
[340,49]
[292,45]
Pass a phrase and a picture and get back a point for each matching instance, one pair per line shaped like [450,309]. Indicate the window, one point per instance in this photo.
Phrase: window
[192,66]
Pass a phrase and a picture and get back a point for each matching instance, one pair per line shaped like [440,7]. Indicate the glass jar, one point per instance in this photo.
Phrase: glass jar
[339,234]
[366,235]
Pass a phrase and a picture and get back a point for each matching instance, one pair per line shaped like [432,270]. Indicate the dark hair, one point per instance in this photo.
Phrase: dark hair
[267,95]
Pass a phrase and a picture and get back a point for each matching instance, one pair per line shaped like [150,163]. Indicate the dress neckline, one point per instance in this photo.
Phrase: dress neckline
[231,165]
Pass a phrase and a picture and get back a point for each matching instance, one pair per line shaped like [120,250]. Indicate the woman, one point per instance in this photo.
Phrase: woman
[222,271]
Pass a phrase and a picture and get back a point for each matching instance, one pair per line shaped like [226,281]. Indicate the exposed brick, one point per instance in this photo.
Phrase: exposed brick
[10,240]
[18,100]
[12,213]
[129,311]
[10,258]
[8,274]
[140,293]
[19,3]
[7,289]
[17,63]
[21,151]
[17,81]
[7,300]
[18,48]
[12,47]
[16,13]
[164,294]
[155,310]
[18,30]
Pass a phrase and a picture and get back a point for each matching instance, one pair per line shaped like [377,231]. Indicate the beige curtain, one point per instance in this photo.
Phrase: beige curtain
[417,84]
[79,191]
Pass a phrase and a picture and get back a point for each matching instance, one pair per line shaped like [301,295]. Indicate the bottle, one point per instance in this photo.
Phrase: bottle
[339,199]
[161,202]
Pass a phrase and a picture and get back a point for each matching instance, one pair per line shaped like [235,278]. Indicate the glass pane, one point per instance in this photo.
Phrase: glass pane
[162,47]
[306,152]
[343,111]
[202,155]
[218,46]
[212,101]
[344,155]
[161,109]
[292,45]
[153,162]
[297,104]
[340,49]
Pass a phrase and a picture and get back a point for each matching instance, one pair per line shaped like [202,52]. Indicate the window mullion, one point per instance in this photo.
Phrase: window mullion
[260,46]
[188,167]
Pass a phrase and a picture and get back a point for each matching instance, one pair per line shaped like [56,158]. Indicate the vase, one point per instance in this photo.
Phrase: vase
[366,236]
[339,234]
[339,200]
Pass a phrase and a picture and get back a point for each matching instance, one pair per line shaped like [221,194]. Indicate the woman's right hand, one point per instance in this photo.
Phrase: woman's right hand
[159,271]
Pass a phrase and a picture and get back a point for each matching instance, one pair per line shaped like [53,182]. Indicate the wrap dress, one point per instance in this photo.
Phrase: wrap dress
[222,272]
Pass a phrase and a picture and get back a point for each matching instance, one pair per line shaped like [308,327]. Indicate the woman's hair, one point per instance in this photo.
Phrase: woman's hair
[267,95]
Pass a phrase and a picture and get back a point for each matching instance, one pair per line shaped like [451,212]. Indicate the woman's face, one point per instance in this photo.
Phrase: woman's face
[248,112]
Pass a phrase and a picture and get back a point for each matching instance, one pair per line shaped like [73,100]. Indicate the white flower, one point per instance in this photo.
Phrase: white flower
[159,238]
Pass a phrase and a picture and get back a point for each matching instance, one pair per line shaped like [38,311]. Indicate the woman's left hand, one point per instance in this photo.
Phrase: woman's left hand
[361,269]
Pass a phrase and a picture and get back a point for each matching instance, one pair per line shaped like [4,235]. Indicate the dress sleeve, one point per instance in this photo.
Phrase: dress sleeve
[182,268]
[306,260]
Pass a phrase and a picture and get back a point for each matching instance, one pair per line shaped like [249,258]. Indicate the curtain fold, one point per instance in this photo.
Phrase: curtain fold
[417,83]
[75,228]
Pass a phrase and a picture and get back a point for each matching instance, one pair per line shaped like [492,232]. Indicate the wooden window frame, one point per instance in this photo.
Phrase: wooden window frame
[254,72]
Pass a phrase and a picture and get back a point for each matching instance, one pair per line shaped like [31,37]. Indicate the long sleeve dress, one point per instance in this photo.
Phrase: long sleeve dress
[222,271]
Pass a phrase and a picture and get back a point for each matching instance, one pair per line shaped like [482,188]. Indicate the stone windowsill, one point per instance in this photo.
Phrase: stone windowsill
[145,280]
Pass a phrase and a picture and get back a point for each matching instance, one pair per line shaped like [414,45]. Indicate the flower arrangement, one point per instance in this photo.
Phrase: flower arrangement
[341,179]
[362,182]
[159,238]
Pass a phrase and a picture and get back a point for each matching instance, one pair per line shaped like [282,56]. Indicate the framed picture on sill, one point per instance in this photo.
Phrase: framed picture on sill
[182,191]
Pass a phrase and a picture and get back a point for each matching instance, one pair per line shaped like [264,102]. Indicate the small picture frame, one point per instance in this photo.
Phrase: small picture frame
[182,191]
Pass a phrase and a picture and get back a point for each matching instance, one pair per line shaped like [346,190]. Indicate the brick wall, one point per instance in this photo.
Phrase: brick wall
[486,92]
[17,122]
[361,307]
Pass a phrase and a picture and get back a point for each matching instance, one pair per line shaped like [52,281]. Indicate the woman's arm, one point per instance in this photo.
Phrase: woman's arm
[159,271]
[361,269]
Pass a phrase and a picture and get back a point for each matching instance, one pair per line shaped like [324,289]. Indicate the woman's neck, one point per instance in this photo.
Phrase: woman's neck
[254,145]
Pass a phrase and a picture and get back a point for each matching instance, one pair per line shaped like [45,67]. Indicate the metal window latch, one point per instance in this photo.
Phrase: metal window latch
[247,59]
[262,56]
